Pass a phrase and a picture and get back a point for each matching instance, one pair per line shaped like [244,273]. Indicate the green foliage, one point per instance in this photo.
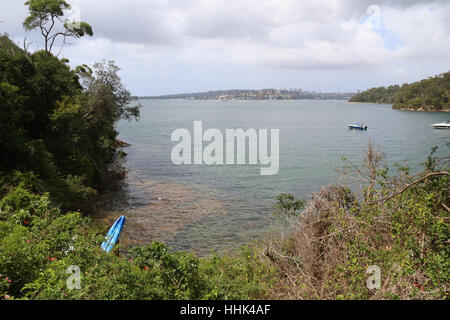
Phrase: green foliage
[42,11]
[79,29]
[177,273]
[32,234]
[108,89]
[327,250]
[377,95]
[44,15]
[38,244]
[287,205]
[237,277]
[16,74]
[431,94]
[54,127]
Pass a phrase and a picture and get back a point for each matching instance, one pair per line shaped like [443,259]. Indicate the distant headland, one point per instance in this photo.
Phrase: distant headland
[263,94]
[432,94]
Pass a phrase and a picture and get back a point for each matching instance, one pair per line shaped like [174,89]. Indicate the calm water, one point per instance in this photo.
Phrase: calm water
[201,208]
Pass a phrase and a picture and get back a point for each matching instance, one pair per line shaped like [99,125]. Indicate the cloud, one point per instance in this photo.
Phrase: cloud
[402,37]
[319,34]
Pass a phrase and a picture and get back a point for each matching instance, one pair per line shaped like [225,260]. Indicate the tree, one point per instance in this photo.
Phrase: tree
[430,94]
[45,14]
[56,127]
[16,70]
[108,100]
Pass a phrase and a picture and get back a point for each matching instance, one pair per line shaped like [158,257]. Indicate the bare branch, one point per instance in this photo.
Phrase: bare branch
[434,174]
[447,208]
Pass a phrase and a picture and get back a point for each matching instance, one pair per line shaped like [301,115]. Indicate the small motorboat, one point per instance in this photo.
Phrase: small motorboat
[358,126]
[443,125]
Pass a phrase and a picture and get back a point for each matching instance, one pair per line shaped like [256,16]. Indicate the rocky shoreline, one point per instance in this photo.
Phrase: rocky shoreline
[401,109]
[418,110]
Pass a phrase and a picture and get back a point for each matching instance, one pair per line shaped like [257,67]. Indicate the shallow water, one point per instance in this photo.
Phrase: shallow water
[204,208]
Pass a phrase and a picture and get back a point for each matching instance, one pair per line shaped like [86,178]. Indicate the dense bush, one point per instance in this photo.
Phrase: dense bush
[32,234]
[397,223]
[38,244]
[57,138]
[431,94]
[377,95]
[56,128]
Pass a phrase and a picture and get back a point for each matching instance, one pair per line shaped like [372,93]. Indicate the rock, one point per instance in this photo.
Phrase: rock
[121,144]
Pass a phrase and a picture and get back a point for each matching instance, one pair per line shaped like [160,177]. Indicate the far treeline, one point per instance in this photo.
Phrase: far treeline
[432,94]
[263,94]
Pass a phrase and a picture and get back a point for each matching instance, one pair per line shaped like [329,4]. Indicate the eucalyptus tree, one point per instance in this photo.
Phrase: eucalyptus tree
[47,16]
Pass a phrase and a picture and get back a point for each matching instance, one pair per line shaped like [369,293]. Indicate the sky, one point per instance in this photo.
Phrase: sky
[180,46]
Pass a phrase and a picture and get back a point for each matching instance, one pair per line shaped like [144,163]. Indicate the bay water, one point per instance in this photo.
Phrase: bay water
[201,208]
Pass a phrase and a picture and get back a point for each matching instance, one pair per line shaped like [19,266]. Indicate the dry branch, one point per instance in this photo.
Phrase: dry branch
[434,174]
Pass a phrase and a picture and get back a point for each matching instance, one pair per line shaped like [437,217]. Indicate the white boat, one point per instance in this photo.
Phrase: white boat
[357,126]
[443,125]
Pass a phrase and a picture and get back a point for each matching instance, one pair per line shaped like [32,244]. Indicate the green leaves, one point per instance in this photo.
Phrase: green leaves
[42,11]
[108,88]
[79,29]
[289,206]
[432,94]
[177,271]
[45,15]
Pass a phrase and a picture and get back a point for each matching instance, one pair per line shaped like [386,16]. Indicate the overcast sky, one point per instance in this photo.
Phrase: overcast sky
[176,46]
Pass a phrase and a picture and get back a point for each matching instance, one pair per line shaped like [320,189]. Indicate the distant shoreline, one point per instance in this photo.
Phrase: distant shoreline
[352,102]
[239,100]
[259,94]
[399,109]
[420,110]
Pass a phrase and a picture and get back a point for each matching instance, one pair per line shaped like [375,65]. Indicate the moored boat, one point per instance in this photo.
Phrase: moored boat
[443,125]
[358,126]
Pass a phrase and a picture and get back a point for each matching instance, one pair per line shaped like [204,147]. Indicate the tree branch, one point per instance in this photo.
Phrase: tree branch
[434,174]
[64,34]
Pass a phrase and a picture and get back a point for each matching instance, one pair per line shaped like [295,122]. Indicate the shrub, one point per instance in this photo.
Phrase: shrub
[326,252]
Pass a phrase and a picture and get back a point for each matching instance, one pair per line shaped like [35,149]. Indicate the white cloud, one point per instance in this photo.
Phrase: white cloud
[277,34]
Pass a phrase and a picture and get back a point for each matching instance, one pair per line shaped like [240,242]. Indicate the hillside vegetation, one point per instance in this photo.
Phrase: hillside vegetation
[431,94]
[57,139]
[397,224]
[55,130]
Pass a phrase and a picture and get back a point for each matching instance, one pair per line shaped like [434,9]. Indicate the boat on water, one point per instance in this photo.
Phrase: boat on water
[443,125]
[358,126]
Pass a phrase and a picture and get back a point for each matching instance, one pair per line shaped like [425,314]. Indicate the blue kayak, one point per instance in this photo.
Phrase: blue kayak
[113,235]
